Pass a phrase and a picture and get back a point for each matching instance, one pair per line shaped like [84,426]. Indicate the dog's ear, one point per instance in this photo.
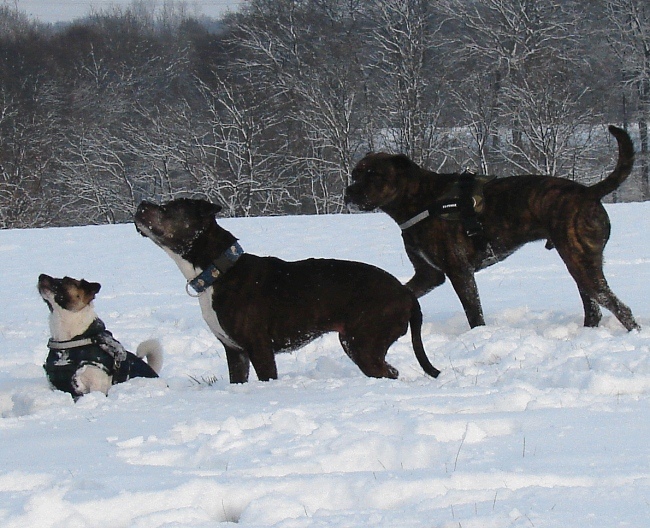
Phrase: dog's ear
[402,162]
[209,208]
[91,288]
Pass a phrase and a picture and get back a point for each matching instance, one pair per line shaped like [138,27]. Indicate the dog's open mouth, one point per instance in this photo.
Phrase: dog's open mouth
[140,228]
[144,230]
[355,206]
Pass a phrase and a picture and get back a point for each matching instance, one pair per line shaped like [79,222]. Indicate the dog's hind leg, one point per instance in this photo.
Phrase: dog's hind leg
[238,365]
[604,296]
[587,271]
[369,355]
[263,361]
[622,312]
[593,315]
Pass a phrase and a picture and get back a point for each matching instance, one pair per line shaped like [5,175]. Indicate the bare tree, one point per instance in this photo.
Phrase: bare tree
[411,75]
[95,179]
[630,39]
[268,110]
[307,54]
[26,145]
[519,46]
[554,135]
[476,100]
[242,142]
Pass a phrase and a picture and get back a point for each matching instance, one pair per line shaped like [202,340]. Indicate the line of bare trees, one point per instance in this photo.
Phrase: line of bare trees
[267,110]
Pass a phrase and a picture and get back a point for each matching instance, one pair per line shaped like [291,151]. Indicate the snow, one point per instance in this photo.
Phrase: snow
[534,421]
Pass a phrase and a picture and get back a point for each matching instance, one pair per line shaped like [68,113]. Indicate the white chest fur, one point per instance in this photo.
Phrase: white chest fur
[205,301]
[64,324]
[210,317]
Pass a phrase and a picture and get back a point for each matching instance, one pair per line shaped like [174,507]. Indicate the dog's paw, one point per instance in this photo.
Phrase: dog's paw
[91,379]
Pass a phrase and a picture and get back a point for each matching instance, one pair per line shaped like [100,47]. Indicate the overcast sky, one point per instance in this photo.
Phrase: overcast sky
[66,10]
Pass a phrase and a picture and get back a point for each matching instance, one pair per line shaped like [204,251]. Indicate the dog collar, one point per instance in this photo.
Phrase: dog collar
[221,265]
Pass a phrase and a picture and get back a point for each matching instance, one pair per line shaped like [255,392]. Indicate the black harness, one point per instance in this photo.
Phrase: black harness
[462,201]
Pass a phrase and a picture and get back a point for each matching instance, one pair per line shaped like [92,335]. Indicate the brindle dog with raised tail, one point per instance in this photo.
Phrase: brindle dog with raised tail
[513,211]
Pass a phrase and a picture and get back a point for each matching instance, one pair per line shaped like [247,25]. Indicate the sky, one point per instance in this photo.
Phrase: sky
[67,10]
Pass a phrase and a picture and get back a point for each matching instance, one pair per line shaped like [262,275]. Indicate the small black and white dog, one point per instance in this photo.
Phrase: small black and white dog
[85,357]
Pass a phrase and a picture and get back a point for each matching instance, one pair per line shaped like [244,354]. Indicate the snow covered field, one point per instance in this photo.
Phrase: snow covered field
[534,421]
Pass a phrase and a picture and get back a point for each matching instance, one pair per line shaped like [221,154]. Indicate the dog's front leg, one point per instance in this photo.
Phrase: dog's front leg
[427,275]
[238,365]
[465,287]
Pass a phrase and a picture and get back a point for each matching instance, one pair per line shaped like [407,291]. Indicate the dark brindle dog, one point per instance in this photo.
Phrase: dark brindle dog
[511,212]
[258,306]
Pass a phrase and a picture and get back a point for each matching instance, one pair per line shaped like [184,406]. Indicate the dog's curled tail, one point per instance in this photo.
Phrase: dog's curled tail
[623,166]
[416,339]
[151,350]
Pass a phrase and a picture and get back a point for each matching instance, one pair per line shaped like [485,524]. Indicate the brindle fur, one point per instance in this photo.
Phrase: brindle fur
[517,210]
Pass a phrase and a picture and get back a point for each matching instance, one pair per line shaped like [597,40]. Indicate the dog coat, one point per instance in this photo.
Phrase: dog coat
[96,347]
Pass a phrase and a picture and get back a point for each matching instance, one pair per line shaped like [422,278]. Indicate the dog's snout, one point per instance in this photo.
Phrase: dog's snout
[44,281]
[350,192]
[144,213]
[354,197]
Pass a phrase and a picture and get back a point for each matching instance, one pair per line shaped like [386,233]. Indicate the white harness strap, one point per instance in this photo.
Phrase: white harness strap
[417,218]
[64,345]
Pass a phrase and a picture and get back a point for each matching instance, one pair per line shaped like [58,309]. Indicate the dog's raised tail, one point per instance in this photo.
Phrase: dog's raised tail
[623,166]
[151,350]
[416,339]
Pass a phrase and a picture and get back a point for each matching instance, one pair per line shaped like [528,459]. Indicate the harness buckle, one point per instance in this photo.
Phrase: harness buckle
[191,291]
